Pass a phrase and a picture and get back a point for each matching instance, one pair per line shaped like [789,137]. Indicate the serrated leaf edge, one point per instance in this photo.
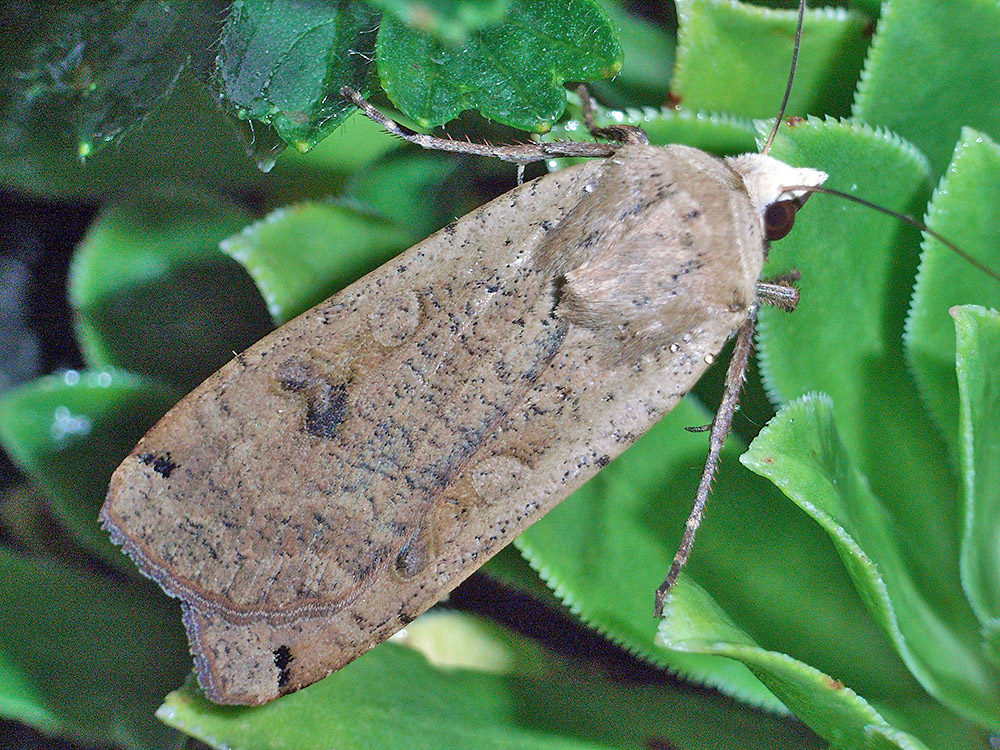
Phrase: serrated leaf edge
[875,51]
[931,214]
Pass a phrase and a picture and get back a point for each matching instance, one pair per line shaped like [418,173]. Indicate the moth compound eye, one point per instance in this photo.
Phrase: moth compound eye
[779,218]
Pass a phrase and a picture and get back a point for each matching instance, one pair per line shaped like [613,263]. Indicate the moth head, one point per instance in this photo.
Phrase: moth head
[765,179]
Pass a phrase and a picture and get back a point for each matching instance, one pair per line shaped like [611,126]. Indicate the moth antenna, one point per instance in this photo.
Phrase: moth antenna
[905,218]
[791,78]
[735,376]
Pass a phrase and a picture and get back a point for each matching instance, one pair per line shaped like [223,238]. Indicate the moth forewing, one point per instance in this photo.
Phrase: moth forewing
[347,471]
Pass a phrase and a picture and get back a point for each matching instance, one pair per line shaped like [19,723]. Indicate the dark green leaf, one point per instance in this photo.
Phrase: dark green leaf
[322,171]
[43,163]
[978,352]
[512,73]
[450,21]
[28,525]
[283,62]
[800,450]
[42,160]
[717,70]
[86,657]
[70,431]
[100,68]
[153,294]
[871,8]
[932,70]
[966,210]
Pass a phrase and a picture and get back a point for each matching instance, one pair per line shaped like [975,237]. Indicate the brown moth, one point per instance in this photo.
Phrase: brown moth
[347,471]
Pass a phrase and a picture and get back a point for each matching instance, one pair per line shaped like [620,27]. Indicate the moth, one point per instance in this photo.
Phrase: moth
[346,472]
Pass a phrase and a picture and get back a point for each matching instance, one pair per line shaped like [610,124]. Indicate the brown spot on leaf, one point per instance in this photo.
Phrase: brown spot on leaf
[833,684]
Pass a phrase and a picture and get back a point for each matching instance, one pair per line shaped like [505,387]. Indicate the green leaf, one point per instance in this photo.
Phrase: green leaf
[606,549]
[512,72]
[283,62]
[477,686]
[845,337]
[447,20]
[801,452]
[510,568]
[694,623]
[978,351]
[966,210]
[717,70]
[39,157]
[188,140]
[755,575]
[152,293]
[86,657]
[41,162]
[69,432]
[931,71]
[300,255]
[101,68]
[871,8]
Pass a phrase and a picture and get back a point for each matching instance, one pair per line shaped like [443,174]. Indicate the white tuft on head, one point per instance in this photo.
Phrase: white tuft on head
[766,178]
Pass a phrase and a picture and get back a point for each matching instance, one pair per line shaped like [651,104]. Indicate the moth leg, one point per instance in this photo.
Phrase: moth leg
[779,292]
[623,134]
[778,295]
[518,153]
[735,376]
